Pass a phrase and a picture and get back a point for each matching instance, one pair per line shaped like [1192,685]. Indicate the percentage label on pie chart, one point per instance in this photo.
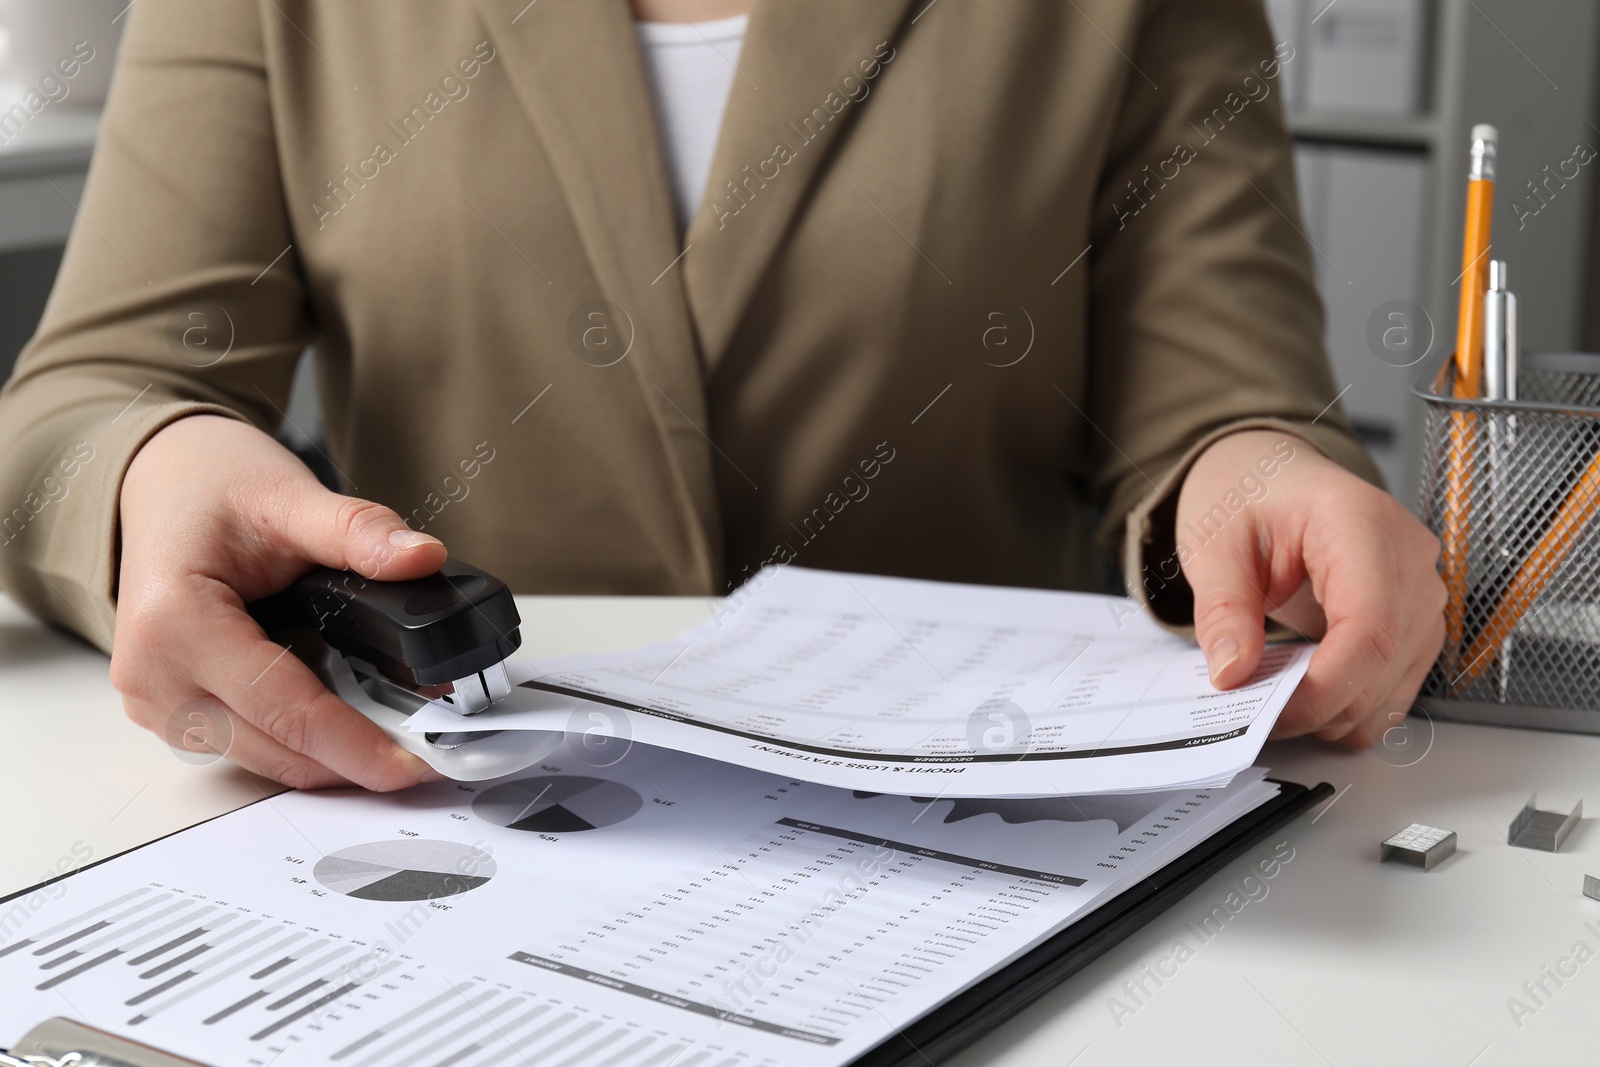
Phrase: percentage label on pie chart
[557,804]
[413,869]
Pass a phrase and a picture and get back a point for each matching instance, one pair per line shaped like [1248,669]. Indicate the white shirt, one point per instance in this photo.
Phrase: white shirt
[689,67]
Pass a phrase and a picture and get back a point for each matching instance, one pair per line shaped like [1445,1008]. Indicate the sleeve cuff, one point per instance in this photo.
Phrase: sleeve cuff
[77,563]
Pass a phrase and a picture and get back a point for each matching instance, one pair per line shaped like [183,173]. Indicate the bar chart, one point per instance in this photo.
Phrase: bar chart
[162,949]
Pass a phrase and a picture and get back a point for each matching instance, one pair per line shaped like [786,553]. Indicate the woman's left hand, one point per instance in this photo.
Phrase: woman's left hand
[1324,552]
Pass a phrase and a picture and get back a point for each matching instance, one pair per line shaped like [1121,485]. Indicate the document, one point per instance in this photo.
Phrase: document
[662,911]
[902,686]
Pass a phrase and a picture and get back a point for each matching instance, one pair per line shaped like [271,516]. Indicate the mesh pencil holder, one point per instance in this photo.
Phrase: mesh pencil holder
[1512,489]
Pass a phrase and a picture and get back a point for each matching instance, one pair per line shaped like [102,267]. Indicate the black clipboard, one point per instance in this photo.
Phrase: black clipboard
[983,1006]
[976,1010]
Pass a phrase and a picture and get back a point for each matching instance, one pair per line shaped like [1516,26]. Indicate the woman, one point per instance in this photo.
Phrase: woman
[939,289]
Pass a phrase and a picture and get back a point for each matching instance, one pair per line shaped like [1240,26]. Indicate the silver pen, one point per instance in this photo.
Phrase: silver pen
[1500,352]
[1494,333]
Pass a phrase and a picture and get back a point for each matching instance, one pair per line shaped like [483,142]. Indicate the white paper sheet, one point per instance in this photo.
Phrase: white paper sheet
[664,910]
[903,686]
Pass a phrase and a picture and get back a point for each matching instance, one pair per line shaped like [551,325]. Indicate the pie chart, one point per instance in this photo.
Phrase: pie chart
[413,869]
[557,804]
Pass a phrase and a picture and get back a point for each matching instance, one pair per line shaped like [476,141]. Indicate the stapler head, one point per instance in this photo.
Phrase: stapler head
[388,648]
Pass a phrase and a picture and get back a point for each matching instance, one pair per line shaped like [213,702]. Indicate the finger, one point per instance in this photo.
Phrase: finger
[253,750]
[347,533]
[1348,724]
[1332,710]
[272,690]
[1229,609]
[1301,612]
[203,731]
[1426,631]
[1368,732]
[1360,655]
[1375,699]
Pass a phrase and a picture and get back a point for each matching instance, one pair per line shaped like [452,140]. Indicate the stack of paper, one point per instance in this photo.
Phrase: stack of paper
[659,912]
[915,687]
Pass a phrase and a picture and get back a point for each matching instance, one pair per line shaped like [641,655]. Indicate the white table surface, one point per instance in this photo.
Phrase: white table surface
[1336,960]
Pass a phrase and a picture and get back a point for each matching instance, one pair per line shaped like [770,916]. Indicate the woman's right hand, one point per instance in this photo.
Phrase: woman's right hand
[216,514]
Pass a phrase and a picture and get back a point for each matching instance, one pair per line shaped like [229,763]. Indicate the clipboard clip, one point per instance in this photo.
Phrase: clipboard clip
[62,1042]
[68,1059]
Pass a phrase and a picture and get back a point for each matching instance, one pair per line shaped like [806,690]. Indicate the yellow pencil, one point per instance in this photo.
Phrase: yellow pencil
[1580,506]
[1469,375]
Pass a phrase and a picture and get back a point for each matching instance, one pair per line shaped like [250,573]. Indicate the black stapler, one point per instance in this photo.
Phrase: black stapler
[388,648]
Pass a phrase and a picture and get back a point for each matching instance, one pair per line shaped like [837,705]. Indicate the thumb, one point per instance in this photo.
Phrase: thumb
[1229,614]
[348,533]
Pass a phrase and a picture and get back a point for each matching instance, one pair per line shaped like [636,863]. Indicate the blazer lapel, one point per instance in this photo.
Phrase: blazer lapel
[790,80]
[575,66]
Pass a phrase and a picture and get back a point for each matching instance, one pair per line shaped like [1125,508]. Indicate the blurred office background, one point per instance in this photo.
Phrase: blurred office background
[1381,95]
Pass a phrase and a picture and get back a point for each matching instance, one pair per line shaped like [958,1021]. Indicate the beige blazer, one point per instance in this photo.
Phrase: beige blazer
[972,278]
